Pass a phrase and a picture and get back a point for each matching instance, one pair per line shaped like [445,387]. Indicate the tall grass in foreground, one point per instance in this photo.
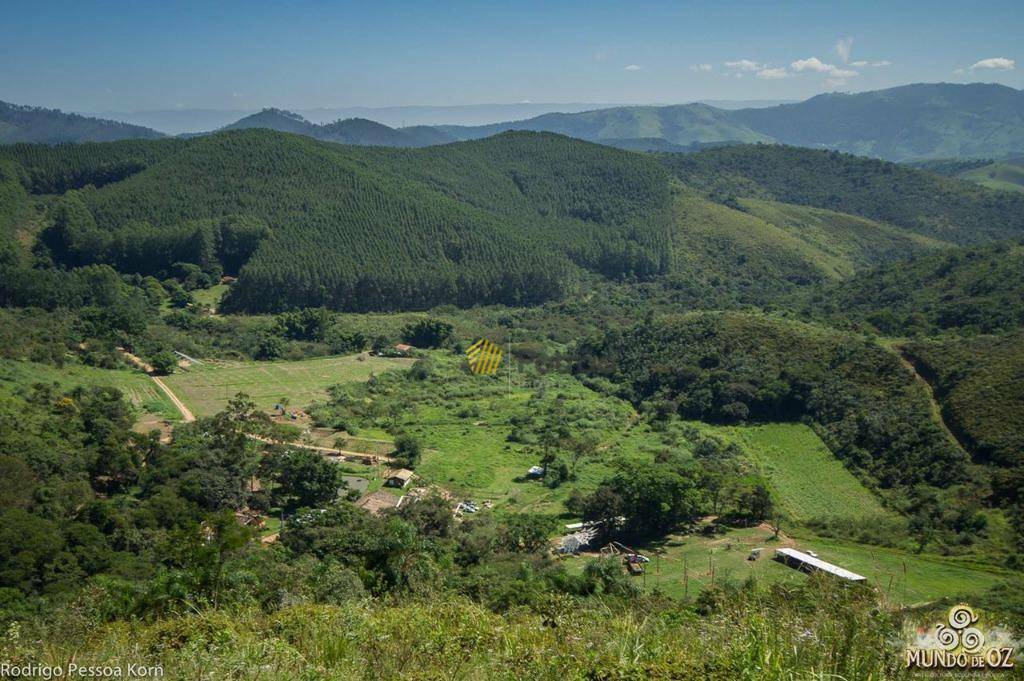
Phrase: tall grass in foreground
[820,631]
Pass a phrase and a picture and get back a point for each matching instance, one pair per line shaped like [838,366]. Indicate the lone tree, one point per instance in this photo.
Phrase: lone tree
[408,451]
[164,362]
[303,477]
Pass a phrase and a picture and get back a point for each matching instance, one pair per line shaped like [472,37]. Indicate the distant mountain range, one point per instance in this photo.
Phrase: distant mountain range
[907,123]
[51,126]
[179,121]
[911,122]
[358,131]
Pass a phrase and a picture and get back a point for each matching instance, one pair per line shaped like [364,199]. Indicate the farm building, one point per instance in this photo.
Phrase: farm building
[404,349]
[379,501]
[798,560]
[398,477]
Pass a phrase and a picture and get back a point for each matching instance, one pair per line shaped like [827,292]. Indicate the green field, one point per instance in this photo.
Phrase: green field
[137,387]
[807,481]
[683,565]
[210,297]
[206,388]
[1008,176]
[472,456]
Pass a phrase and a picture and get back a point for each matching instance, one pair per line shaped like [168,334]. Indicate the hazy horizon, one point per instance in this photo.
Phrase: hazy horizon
[125,57]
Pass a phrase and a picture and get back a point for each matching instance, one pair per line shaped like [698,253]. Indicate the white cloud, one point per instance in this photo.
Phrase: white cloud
[959,72]
[861,63]
[836,75]
[811,64]
[701,67]
[745,65]
[772,74]
[996,63]
[835,82]
[843,48]
[632,67]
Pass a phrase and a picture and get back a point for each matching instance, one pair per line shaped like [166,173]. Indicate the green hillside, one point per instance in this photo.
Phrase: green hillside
[511,219]
[1004,175]
[678,125]
[51,126]
[754,250]
[739,256]
[979,383]
[923,120]
[978,288]
[734,367]
[844,243]
[358,131]
[54,169]
[920,202]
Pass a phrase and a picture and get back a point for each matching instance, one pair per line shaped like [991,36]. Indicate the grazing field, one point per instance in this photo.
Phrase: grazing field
[137,387]
[206,388]
[1008,176]
[682,565]
[210,297]
[807,481]
[469,450]
[907,577]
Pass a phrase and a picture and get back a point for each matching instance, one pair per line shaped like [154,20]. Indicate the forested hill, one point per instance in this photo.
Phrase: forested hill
[979,288]
[921,202]
[511,219]
[359,131]
[51,126]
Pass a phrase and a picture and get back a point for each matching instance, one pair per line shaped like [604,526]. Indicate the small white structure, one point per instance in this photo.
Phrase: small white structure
[577,541]
[535,472]
[799,560]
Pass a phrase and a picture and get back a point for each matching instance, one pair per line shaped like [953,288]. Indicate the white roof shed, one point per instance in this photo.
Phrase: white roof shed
[805,561]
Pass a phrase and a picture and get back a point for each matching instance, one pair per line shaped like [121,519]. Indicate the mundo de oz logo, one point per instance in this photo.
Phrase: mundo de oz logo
[958,644]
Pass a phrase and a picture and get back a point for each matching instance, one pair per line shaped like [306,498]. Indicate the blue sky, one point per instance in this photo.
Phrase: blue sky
[95,56]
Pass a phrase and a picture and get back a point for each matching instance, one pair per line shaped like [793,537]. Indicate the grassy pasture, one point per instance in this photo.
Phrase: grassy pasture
[468,448]
[806,479]
[1008,176]
[683,565]
[136,386]
[206,388]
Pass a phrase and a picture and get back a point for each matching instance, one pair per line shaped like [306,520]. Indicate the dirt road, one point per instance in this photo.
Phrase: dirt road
[186,413]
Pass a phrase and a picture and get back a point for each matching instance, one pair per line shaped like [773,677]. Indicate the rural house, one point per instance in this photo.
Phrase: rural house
[398,477]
